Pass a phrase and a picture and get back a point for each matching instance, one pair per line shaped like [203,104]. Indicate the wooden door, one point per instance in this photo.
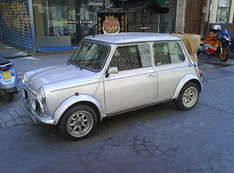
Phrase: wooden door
[193,17]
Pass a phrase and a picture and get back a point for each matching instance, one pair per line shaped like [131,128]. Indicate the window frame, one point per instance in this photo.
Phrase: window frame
[97,42]
[167,41]
[134,44]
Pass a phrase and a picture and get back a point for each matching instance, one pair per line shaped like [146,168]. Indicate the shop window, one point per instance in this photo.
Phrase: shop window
[223,11]
[65,18]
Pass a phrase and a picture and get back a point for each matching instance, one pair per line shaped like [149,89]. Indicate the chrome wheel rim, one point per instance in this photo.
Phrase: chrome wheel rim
[80,123]
[190,97]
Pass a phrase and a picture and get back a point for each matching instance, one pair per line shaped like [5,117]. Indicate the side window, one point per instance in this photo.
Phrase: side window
[177,55]
[144,50]
[168,53]
[131,57]
[161,54]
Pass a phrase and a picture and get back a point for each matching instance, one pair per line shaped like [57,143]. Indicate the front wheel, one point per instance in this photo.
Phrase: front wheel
[78,122]
[188,96]
[224,55]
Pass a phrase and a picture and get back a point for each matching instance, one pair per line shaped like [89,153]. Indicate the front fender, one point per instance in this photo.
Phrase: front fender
[73,100]
[182,82]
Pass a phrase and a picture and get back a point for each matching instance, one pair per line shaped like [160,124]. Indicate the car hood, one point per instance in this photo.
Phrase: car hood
[56,74]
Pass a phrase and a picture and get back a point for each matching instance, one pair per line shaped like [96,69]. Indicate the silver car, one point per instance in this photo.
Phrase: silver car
[111,74]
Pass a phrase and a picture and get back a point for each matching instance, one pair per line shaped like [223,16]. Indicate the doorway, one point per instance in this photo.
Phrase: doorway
[194,17]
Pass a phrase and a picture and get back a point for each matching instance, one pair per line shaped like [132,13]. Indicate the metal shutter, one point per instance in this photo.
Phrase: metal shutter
[16,27]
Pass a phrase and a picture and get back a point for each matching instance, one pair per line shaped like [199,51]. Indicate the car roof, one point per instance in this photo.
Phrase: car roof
[132,37]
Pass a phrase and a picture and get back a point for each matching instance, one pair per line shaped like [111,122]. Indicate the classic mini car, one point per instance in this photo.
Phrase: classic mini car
[111,74]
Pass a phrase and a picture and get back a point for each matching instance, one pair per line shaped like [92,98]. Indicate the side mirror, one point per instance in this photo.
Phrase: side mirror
[112,70]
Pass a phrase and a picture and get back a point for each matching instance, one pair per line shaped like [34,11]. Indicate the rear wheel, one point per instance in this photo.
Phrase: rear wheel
[188,96]
[78,122]
[224,55]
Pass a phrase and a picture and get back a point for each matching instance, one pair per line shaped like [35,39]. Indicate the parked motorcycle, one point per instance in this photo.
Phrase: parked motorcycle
[217,43]
[8,80]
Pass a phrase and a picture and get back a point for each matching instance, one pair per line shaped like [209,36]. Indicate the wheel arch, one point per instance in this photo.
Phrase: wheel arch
[184,81]
[75,100]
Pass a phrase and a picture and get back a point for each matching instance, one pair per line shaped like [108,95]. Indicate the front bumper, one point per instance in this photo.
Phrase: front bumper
[36,115]
[42,118]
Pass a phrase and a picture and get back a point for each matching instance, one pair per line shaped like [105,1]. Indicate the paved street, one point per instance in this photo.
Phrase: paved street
[158,139]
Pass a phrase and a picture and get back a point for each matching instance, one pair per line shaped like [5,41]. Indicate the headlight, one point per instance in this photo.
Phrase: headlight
[42,96]
[24,94]
[24,79]
[34,105]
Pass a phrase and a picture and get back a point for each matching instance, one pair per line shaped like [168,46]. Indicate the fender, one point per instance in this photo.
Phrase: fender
[182,82]
[73,100]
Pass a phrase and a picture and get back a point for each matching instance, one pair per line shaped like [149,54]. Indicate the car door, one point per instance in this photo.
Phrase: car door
[135,83]
[171,66]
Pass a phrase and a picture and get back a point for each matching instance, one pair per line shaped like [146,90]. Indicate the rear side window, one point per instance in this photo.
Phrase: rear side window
[177,54]
[131,57]
[168,53]
[161,54]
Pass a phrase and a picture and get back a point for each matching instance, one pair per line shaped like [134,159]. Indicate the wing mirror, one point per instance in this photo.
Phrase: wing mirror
[112,70]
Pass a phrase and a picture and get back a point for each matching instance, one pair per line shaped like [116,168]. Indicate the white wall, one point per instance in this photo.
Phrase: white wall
[180,16]
[231,12]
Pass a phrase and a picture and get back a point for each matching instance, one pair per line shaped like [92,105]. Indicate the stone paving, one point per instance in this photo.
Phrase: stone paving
[13,113]
[158,139]
[11,52]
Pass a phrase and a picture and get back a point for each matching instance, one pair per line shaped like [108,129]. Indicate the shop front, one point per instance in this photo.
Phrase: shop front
[15,27]
[41,25]
[51,25]
[61,24]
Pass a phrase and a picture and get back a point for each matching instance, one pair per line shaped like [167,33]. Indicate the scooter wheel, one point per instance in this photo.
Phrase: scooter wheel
[223,57]
[10,97]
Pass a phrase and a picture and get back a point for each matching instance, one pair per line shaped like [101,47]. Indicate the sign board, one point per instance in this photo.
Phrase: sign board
[109,23]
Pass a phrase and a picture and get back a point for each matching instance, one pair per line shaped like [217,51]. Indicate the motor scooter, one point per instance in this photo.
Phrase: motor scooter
[8,80]
[217,43]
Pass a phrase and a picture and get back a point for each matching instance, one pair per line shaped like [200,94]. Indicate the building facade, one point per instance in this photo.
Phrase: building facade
[196,15]
[38,25]
[15,23]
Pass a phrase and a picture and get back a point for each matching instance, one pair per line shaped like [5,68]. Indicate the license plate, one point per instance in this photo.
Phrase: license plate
[6,75]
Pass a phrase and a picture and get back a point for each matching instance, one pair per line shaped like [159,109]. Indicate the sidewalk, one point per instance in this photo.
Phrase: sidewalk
[25,61]
[11,52]
[13,113]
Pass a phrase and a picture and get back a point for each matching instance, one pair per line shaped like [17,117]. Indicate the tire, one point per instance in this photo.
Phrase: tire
[223,57]
[10,97]
[78,122]
[188,96]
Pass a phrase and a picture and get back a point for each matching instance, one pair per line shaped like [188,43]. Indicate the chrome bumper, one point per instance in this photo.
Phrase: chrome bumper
[43,118]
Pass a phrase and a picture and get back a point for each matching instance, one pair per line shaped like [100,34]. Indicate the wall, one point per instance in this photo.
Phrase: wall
[231,19]
[180,16]
[1,34]
[16,25]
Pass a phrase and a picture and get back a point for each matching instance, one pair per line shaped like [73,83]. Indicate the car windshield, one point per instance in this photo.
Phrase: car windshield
[90,55]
